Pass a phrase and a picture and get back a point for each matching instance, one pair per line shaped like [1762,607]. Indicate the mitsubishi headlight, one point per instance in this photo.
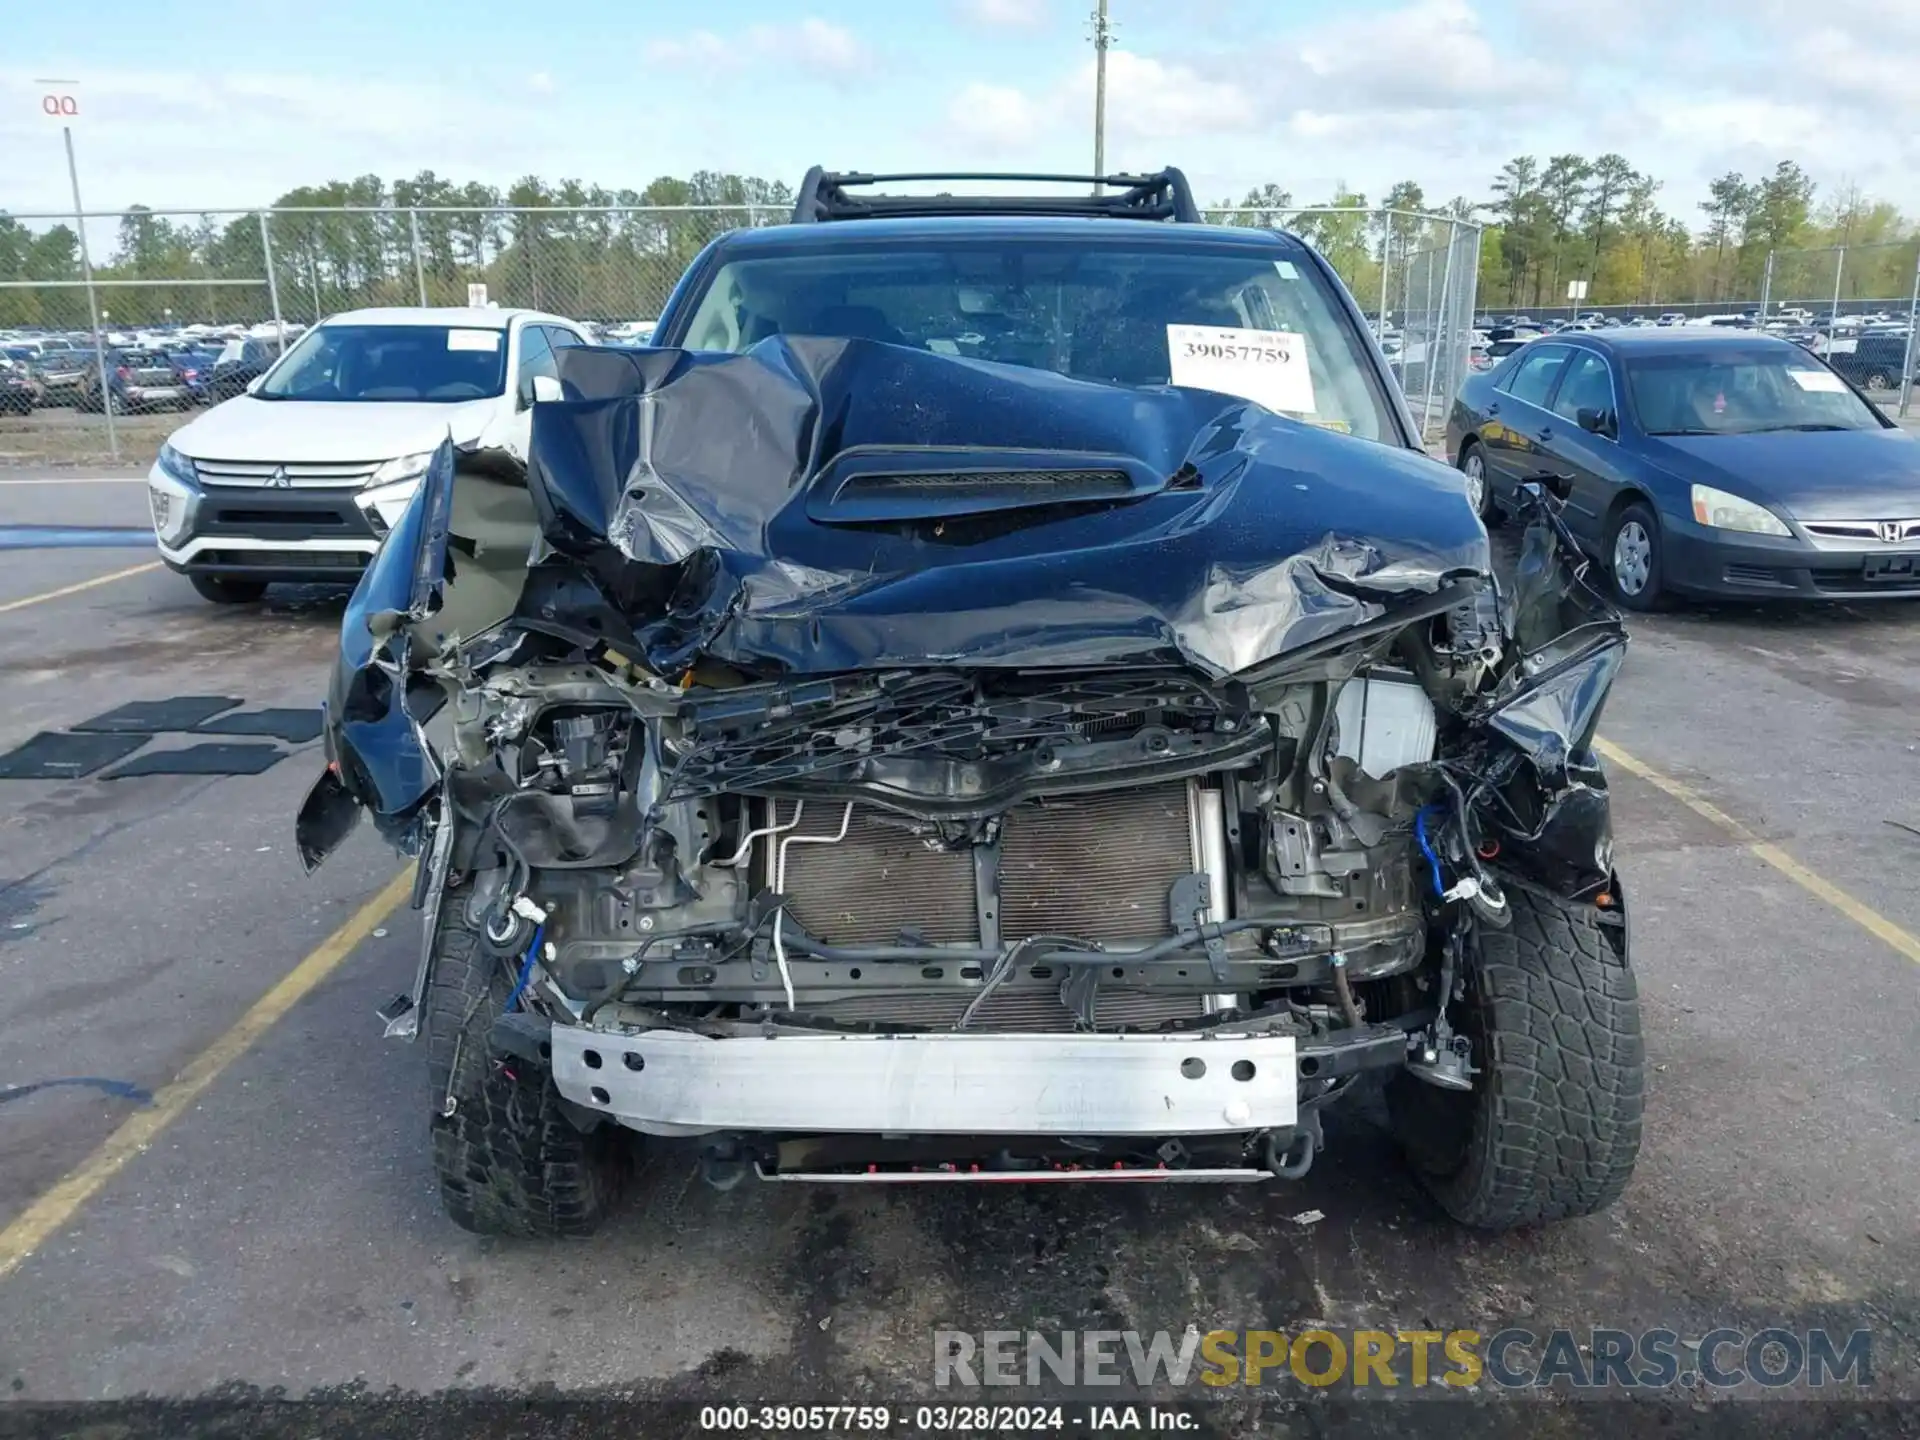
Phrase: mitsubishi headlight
[389,490]
[407,467]
[178,466]
[1729,512]
[171,490]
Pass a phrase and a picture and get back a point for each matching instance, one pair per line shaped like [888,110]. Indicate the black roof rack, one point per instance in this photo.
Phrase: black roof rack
[1163,195]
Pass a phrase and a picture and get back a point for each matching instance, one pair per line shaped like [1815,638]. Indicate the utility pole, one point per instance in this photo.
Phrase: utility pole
[1102,42]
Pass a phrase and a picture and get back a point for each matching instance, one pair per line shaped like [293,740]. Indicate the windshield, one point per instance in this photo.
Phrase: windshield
[1147,314]
[431,363]
[1742,394]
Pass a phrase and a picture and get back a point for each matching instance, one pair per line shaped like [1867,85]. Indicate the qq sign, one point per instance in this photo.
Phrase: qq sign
[59,105]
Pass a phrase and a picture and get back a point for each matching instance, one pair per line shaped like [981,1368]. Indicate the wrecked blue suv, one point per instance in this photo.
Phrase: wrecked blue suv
[996,693]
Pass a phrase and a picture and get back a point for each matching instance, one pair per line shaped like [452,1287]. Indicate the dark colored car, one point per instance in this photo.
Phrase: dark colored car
[135,380]
[18,392]
[1073,653]
[61,374]
[1874,363]
[1700,463]
[194,364]
[238,364]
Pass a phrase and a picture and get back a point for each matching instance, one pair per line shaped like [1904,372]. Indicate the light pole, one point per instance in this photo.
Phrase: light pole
[57,101]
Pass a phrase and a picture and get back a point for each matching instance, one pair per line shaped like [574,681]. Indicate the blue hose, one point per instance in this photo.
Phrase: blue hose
[526,965]
[1426,848]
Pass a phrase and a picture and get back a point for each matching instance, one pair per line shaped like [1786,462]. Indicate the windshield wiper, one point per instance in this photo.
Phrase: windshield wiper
[1811,425]
[1691,432]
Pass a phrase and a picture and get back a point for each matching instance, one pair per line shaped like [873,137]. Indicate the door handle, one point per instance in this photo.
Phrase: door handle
[1494,409]
[1545,435]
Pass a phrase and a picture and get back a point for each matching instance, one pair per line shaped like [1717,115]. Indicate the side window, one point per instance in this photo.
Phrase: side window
[1585,386]
[1532,379]
[536,358]
[560,338]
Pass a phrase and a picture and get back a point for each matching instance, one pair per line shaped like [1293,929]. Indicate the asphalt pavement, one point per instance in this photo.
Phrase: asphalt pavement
[277,1229]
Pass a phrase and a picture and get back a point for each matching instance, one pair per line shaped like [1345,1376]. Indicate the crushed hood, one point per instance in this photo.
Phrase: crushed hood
[817,506]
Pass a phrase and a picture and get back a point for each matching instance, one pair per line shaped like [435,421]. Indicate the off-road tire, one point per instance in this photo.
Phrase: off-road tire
[1551,1127]
[508,1159]
[223,591]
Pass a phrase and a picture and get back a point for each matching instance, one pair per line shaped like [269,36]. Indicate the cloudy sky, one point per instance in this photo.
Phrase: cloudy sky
[211,103]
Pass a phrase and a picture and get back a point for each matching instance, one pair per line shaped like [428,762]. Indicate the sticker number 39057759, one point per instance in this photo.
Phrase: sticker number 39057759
[1268,367]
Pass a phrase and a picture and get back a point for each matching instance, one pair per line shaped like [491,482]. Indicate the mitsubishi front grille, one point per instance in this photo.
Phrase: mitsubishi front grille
[271,475]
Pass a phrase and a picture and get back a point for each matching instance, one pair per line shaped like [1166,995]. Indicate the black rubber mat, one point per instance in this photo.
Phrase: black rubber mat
[151,717]
[295,726]
[201,760]
[64,757]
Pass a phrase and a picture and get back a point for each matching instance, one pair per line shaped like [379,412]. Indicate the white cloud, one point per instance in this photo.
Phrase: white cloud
[540,82]
[826,49]
[1432,54]
[701,47]
[1444,91]
[1005,14]
[999,119]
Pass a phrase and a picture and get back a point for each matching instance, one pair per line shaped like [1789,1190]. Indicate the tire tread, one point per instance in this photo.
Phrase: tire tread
[508,1160]
[1556,1122]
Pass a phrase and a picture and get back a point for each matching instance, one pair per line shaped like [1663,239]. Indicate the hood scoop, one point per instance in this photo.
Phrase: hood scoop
[870,484]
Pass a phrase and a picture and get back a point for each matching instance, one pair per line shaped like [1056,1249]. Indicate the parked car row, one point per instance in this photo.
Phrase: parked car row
[1873,355]
[131,373]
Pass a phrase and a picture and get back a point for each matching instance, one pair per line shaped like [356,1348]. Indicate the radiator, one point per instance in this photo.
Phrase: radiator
[879,883]
[1096,867]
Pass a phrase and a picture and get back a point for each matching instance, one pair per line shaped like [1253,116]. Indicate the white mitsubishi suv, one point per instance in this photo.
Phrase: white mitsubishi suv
[301,477]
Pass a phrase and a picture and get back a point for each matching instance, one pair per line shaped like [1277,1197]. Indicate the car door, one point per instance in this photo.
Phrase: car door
[535,357]
[1589,460]
[1517,414]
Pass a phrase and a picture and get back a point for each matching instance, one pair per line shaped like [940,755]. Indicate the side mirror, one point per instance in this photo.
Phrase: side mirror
[1558,486]
[255,383]
[547,387]
[1594,422]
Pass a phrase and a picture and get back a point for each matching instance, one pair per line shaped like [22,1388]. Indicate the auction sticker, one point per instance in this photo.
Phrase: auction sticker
[1268,367]
[1819,380]
[473,339]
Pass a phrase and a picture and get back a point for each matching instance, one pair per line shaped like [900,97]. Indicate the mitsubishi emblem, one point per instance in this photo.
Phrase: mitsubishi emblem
[278,479]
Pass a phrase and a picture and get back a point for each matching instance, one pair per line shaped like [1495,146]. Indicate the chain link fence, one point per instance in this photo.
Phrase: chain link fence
[1856,307]
[1415,275]
[195,281]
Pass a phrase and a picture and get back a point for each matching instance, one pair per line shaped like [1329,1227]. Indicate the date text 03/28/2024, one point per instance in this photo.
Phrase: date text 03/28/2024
[941,1419]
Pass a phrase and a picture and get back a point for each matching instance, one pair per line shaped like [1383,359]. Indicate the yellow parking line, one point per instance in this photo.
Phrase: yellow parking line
[1862,914]
[77,588]
[57,1206]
